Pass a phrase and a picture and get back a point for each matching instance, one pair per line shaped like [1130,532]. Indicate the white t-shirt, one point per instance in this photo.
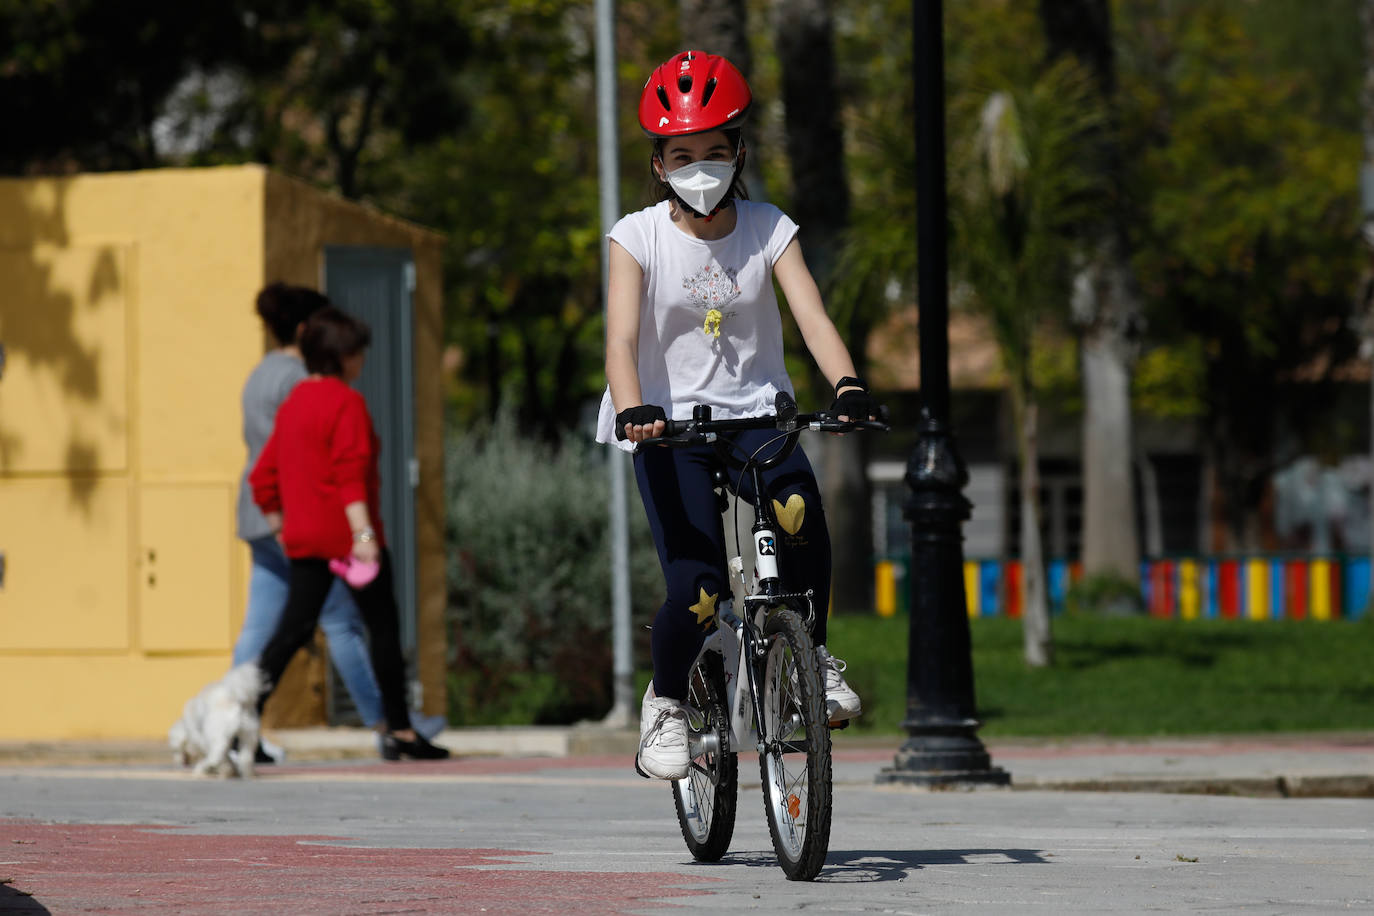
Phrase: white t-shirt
[688,282]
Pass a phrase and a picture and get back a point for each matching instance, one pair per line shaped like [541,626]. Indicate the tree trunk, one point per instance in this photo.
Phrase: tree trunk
[1110,543]
[1035,610]
[1108,313]
[1150,506]
[1367,195]
[804,37]
[805,40]
[722,27]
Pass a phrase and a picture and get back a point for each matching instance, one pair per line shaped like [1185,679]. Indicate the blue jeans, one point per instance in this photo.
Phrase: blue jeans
[342,624]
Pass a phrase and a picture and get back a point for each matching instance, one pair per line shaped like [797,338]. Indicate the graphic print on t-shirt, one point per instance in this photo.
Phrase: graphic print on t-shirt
[712,289]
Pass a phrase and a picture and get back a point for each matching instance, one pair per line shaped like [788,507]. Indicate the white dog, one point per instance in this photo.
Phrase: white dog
[212,719]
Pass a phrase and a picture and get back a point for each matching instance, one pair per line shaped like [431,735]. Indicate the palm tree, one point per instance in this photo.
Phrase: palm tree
[1020,189]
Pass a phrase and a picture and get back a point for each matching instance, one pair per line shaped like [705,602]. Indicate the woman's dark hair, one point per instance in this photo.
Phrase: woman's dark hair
[665,190]
[330,336]
[285,308]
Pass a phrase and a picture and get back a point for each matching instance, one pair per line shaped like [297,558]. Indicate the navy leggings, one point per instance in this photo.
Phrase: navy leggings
[687,527]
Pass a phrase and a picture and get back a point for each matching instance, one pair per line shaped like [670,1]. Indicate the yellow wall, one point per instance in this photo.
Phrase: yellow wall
[126,325]
[126,313]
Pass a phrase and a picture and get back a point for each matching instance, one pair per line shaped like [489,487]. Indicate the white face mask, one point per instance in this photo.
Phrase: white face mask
[702,184]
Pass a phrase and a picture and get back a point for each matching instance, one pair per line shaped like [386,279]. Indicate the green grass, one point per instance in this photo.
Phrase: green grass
[1112,677]
[1134,676]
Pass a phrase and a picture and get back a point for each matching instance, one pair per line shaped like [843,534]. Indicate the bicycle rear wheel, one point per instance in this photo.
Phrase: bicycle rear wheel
[706,798]
[795,763]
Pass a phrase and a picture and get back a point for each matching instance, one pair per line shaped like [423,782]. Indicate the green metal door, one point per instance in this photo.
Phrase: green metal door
[377,285]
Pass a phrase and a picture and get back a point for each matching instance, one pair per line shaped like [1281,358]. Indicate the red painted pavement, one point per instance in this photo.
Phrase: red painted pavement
[97,868]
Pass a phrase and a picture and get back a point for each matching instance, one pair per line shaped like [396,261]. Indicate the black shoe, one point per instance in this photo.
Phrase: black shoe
[394,748]
[261,756]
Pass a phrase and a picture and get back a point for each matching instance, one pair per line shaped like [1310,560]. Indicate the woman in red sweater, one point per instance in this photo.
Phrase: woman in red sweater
[317,483]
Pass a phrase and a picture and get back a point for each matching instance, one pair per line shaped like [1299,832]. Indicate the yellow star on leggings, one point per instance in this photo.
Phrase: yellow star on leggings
[705,609]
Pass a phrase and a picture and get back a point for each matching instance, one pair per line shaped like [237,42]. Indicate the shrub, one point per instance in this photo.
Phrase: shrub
[529,593]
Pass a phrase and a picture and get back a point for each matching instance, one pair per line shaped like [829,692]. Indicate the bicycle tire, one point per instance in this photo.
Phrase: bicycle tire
[706,799]
[795,766]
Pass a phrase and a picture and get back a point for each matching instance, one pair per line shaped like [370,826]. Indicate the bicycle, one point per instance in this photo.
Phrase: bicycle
[757,680]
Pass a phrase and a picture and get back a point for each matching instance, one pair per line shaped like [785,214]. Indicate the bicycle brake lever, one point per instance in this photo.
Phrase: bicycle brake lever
[830,423]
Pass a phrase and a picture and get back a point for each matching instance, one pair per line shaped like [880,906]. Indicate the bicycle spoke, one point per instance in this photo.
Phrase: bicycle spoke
[705,798]
[795,763]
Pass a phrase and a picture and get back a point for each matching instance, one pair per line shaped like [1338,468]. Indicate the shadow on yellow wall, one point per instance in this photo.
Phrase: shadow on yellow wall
[62,327]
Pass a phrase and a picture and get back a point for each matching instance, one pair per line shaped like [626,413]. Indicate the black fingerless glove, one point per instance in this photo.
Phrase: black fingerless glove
[643,415]
[856,403]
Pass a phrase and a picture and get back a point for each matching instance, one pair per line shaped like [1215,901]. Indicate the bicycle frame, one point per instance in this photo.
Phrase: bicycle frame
[736,638]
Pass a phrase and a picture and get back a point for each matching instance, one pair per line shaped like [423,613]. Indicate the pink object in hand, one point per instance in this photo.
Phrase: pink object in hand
[355,572]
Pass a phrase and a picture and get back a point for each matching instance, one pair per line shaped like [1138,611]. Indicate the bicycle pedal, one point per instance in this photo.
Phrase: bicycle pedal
[836,726]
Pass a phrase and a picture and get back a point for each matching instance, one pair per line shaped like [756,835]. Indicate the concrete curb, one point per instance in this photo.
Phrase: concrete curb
[1334,765]
[323,744]
[1240,786]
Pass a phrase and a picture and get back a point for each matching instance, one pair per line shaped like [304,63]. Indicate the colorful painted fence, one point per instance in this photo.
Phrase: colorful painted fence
[1188,588]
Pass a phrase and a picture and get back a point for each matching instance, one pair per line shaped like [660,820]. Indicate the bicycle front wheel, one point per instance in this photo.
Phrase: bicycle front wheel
[706,798]
[795,763]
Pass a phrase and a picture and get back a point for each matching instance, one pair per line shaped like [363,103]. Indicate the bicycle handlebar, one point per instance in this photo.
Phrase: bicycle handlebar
[702,430]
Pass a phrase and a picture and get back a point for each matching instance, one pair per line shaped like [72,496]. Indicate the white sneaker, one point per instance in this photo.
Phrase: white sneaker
[841,702]
[663,750]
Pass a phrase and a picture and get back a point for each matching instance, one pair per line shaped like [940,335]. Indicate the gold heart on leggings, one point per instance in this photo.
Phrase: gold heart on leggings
[790,516]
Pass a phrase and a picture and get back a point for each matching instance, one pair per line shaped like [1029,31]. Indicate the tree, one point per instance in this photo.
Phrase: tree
[1021,192]
[722,27]
[1106,309]
[330,91]
[82,82]
[1247,243]
[516,193]
[805,44]
[1367,224]
[327,91]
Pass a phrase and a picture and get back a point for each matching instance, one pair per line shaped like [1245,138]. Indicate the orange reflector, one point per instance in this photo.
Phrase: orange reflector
[793,805]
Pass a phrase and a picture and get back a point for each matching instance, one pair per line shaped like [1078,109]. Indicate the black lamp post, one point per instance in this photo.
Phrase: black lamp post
[941,719]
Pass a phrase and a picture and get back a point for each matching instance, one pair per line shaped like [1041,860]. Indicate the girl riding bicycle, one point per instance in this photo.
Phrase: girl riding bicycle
[692,319]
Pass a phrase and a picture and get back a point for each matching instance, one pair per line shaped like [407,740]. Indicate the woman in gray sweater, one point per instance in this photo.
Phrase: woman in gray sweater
[284,310]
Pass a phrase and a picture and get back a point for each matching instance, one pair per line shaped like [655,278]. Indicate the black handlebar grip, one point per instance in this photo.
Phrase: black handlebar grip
[672,428]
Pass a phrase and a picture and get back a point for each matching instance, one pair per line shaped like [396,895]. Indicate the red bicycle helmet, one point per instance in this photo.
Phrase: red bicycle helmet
[693,92]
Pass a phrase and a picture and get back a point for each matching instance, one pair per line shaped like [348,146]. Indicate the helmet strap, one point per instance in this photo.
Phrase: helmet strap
[687,208]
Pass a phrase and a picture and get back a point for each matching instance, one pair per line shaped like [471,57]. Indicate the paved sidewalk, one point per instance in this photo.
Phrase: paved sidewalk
[555,821]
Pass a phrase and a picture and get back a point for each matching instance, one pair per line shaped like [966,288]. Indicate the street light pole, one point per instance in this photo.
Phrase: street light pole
[623,713]
[941,720]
